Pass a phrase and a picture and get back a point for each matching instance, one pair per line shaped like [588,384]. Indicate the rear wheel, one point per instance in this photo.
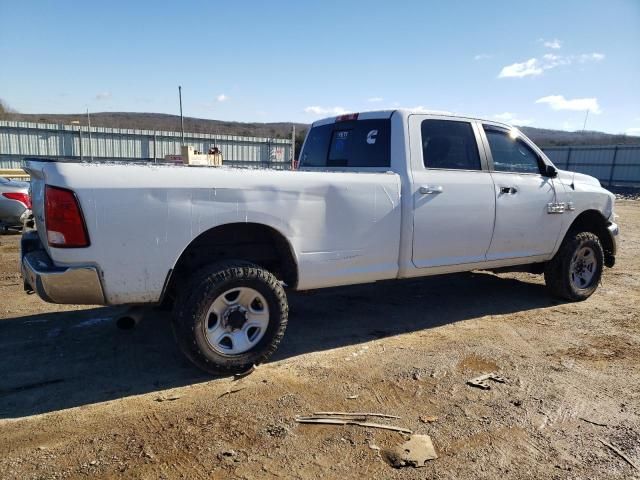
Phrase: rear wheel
[231,316]
[576,269]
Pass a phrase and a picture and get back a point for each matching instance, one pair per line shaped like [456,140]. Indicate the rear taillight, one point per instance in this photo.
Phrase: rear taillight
[23,198]
[347,117]
[64,220]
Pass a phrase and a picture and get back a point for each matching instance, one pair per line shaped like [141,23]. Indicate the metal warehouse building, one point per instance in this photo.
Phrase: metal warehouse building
[24,139]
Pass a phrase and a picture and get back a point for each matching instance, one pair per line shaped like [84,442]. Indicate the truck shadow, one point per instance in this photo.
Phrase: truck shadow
[335,317]
[54,361]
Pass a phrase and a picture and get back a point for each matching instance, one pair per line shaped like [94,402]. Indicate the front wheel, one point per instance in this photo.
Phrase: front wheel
[575,271]
[231,316]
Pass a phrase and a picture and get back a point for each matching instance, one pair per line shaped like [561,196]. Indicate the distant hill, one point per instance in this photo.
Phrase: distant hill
[544,137]
[160,121]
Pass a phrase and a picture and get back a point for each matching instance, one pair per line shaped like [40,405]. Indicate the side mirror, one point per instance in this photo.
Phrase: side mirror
[550,171]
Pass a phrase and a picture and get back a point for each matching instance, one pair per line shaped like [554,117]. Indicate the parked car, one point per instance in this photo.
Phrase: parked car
[15,204]
[378,196]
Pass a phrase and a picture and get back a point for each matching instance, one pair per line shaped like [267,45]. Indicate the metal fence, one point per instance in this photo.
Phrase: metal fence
[24,139]
[614,166]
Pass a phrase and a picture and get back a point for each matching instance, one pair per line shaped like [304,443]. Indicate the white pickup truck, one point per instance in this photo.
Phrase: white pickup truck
[378,195]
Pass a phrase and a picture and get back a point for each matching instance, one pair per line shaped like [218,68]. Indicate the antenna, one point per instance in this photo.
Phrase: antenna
[585,121]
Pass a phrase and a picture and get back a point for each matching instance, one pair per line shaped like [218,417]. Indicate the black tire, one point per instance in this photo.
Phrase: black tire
[558,275]
[194,302]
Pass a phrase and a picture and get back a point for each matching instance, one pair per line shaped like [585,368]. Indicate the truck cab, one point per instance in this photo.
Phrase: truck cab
[475,193]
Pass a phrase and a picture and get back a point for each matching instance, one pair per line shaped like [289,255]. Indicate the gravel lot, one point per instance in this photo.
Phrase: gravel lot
[78,397]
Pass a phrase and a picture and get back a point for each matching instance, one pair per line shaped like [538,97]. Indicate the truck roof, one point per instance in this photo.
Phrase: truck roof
[405,112]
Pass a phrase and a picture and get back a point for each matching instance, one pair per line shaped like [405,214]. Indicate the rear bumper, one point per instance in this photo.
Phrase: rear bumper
[72,285]
[15,217]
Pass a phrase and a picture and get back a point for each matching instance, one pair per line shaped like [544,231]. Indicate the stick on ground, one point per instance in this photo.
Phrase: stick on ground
[592,422]
[233,390]
[339,421]
[358,414]
[618,452]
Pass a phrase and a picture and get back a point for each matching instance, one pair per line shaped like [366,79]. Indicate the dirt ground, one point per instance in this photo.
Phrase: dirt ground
[81,398]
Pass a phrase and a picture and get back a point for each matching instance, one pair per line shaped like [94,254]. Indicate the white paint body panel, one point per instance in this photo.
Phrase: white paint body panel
[524,228]
[342,227]
[455,226]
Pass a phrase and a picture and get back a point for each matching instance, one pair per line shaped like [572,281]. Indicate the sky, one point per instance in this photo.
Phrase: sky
[540,63]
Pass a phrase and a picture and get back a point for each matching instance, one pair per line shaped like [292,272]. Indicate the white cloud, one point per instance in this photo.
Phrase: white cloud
[519,70]
[222,98]
[554,44]
[633,131]
[590,57]
[508,117]
[558,102]
[483,56]
[103,96]
[375,99]
[548,61]
[317,110]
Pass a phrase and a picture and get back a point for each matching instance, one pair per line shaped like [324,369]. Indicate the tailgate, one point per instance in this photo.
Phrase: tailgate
[37,172]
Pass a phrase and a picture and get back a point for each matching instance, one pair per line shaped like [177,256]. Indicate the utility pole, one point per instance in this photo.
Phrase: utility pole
[181,117]
[90,142]
[293,147]
[77,122]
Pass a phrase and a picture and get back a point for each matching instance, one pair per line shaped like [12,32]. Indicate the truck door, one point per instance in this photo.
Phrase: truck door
[527,225]
[453,198]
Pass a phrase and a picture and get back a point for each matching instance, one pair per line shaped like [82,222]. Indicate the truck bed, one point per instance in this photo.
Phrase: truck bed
[342,227]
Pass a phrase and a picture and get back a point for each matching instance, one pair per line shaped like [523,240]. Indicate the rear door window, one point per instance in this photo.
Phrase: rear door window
[449,145]
[351,144]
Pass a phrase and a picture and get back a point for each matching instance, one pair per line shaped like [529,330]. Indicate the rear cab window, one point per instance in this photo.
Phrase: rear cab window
[349,144]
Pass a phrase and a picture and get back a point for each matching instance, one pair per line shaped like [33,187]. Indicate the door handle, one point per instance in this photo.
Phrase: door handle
[508,190]
[430,189]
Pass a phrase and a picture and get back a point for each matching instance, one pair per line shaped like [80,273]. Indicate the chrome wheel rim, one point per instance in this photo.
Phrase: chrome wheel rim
[583,268]
[236,321]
